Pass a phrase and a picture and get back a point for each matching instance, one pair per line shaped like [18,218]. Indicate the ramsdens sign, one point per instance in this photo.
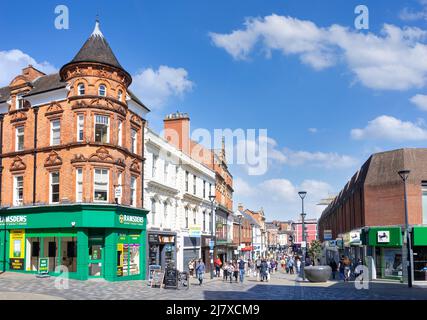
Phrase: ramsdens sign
[134,220]
[14,220]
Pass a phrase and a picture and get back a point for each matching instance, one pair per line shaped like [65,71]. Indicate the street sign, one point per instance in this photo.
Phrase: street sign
[327,235]
[211,244]
[303,244]
[118,192]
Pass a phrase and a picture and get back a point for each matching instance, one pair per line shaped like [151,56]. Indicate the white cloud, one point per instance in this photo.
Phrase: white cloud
[372,58]
[391,129]
[13,61]
[156,87]
[242,188]
[312,130]
[412,15]
[326,160]
[420,101]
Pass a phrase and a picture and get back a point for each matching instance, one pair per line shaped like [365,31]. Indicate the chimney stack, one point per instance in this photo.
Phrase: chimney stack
[177,131]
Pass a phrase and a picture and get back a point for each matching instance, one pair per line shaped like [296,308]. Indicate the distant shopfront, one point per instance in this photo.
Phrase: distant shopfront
[420,253]
[162,249]
[88,241]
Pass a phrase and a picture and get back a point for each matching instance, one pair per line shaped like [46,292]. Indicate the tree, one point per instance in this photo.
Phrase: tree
[315,250]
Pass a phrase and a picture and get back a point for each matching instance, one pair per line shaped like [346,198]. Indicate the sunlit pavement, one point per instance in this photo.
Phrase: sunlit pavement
[280,287]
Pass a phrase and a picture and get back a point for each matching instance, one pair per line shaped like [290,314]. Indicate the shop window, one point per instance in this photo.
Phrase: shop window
[102,90]
[18,194]
[55,133]
[79,185]
[81,89]
[102,129]
[80,128]
[133,137]
[133,191]
[54,187]
[101,185]
[128,255]
[69,253]
[19,138]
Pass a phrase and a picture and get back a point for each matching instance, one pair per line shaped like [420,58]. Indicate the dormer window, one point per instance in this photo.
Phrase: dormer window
[81,89]
[102,90]
[120,95]
[19,102]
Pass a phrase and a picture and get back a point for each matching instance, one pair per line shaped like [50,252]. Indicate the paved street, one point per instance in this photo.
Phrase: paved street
[280,287]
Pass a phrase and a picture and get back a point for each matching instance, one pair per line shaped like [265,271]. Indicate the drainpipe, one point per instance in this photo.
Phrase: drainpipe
[36,111]
[142,165]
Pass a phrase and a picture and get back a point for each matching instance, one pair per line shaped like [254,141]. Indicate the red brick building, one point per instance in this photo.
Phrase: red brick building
[67,140]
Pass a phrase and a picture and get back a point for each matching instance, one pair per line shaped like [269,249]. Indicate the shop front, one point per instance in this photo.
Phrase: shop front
[385,250]
[353,247]
[162,249]
[192,252]
[420,253]
[87,241]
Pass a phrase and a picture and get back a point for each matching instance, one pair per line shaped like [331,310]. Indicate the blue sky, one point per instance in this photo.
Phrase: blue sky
[329,96]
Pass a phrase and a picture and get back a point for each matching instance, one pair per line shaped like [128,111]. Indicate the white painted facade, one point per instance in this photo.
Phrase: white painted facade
[173,206]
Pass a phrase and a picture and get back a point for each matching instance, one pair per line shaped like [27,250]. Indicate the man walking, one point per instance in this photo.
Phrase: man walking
[241,269]
[200,271]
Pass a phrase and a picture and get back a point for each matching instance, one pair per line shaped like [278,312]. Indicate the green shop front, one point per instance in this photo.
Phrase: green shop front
[420,252]
[87,241]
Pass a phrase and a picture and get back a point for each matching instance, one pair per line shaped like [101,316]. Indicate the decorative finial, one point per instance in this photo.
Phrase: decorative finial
[97,31]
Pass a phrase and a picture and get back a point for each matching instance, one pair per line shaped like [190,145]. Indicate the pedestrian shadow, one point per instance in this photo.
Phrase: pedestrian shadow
[312,291]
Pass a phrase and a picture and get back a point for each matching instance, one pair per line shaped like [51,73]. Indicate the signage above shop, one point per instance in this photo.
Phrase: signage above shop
[14,220]
[383,236]
[132,220]
[355,238]
[327,235]
[166,239]
[195,231]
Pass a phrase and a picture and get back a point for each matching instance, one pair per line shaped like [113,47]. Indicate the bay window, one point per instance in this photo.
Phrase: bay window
[81,89]
[119,133]
[102,90]
[101,185]
[102,129]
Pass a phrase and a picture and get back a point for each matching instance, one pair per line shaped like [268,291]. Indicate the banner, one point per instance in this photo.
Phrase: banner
[17,249]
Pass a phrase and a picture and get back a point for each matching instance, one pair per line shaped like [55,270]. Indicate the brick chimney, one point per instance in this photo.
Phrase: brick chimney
[177,131]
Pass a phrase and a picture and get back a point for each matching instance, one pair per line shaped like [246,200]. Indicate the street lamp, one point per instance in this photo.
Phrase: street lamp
[252,249]
[240,216]
[213,236]
[302,195]
[404,174]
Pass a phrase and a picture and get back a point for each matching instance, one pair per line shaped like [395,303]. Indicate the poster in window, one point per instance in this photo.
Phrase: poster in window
[17,249]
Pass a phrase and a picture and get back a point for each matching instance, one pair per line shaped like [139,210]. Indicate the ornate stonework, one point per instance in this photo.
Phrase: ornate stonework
[18,164]
[135,166]
[54,109]
[53,160]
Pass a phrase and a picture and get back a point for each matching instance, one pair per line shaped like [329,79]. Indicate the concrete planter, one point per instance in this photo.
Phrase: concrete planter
[318,273]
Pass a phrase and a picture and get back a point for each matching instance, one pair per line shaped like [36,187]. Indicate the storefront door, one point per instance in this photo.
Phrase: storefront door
[96,257]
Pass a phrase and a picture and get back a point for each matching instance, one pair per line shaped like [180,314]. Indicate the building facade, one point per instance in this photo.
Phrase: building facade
[71,179]
[366,220]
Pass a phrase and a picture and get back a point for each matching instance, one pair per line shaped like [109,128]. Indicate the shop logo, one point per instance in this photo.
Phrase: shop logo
[125,219]
[14,220]
[383,236]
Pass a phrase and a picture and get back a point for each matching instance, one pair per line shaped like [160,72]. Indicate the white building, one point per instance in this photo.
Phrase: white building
[176,190]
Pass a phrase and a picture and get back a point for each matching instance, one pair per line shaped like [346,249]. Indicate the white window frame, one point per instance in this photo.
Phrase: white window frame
[17,135]
[108,127]
[79,184]
[105,90]
[19,102]
[133,191]
[107,187]
[134,140]
[80,127]
[120,133]
[51,189]
[52,129]
[81,86]
[18,202]
[120,95]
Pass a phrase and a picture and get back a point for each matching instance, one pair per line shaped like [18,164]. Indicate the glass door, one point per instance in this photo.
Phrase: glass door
[96,257]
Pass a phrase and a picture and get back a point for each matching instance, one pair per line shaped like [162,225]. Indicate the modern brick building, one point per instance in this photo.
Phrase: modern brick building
[368,215]
[71,160]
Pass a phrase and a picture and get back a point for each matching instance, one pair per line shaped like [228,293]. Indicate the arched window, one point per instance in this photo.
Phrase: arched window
[102,90]
[81,89]
[120,95]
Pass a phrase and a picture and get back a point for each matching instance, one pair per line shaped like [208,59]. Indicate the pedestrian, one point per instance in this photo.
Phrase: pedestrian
[298,263]
[242,265]
[225,271]
[334,268]
[341,268]
[258,265]
[230,271]
[200,271]
[191,267]
[218,264]
[264,270]
[347,268]
[283,264]
[236,270]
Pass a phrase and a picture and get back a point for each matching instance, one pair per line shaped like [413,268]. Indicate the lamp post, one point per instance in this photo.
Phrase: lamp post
[252,249]
[302,195]
[404,174]
[213,236]
[240,216]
